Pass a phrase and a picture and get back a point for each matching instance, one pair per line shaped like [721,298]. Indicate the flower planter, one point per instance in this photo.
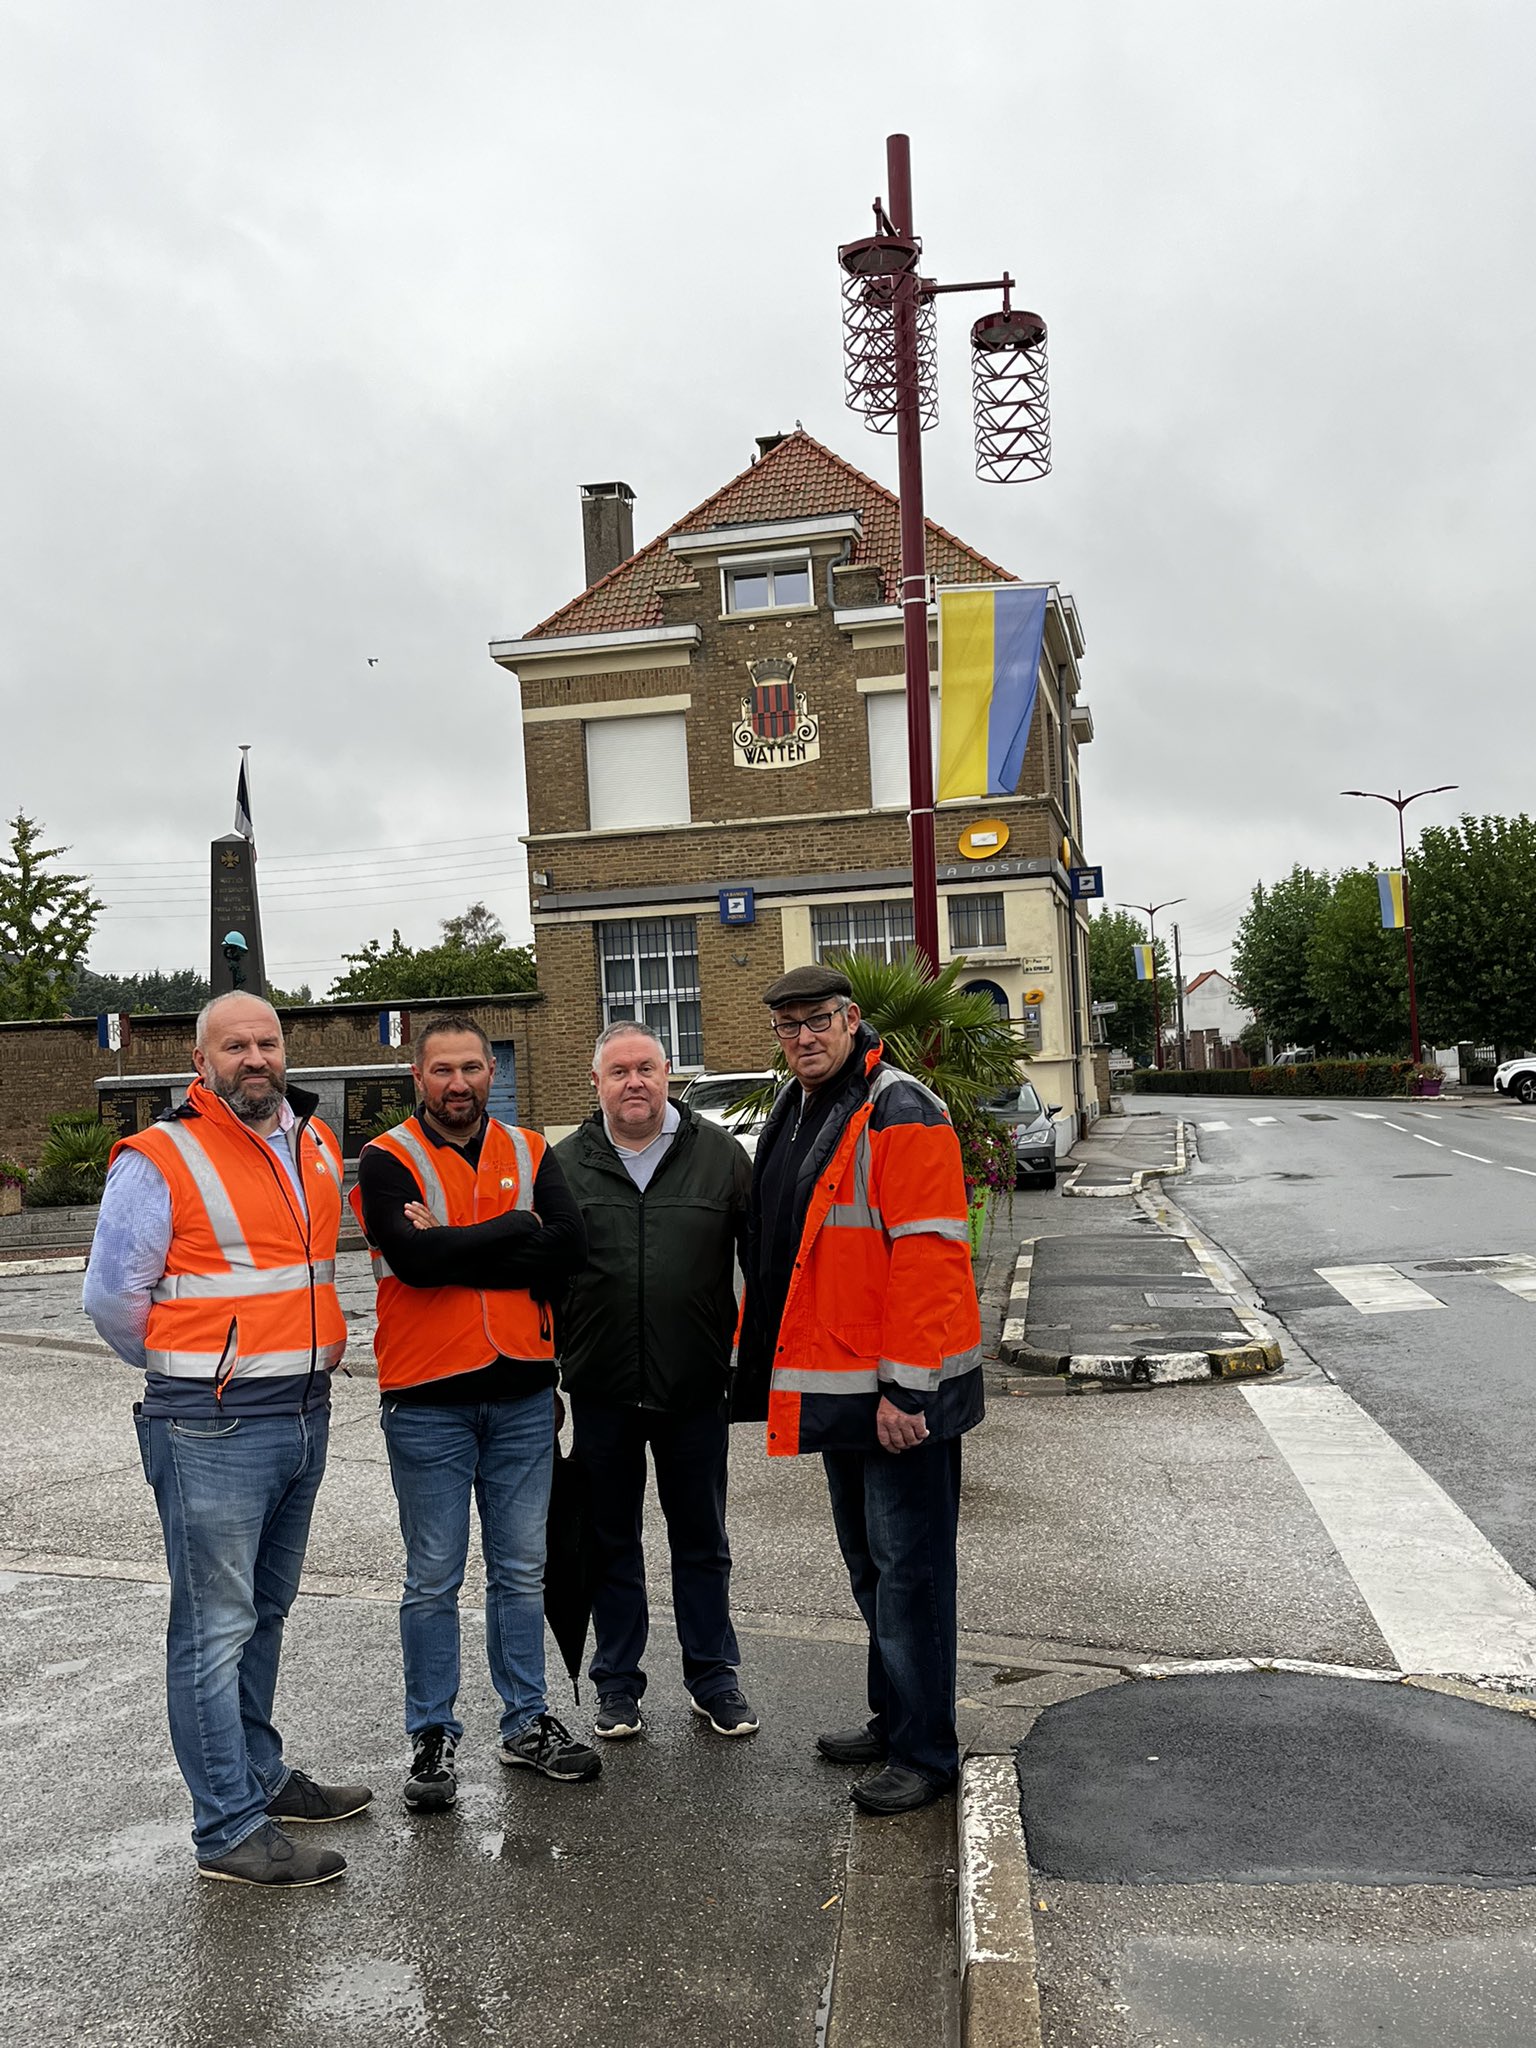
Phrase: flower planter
[10,1199]
[1426,1084]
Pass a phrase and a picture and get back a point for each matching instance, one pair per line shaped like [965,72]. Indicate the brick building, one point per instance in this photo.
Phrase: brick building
[715,751]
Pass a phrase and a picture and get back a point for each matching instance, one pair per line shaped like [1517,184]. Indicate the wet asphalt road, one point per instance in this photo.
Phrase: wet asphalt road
[1456,1385]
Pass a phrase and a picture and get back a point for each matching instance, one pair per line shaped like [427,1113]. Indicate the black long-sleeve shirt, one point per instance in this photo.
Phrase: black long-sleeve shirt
[540,1251]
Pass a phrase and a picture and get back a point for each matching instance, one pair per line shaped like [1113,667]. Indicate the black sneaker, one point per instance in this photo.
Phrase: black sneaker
[618,1714]
[268,1857]
[433,1785]
[550,1749]
[301,1799]
[728,1713]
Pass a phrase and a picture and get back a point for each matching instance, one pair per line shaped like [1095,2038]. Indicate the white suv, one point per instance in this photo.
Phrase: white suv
[1517,1078]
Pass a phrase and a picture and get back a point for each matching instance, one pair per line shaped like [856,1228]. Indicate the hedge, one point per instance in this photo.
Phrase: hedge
[1316,1077]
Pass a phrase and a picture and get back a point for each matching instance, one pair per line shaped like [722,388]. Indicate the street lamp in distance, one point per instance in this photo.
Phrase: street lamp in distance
[1400,804]
[1149,912]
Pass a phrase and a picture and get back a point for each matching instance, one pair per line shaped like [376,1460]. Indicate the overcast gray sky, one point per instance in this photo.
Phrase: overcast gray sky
[315,316]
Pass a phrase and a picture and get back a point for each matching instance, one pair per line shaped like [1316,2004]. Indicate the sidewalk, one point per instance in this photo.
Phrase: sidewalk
[1120,1151]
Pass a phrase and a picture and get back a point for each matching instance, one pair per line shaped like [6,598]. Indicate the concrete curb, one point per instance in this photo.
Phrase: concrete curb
[1142,1174]
[999,1994]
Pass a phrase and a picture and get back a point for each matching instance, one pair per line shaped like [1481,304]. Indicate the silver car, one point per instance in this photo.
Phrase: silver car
[1034,1134]
[716,1095]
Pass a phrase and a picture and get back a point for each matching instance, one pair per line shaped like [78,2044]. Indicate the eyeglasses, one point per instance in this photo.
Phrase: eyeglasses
[820,1025]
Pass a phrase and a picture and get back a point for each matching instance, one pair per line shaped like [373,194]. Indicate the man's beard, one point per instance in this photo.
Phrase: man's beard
[459,1116]
[249,1106]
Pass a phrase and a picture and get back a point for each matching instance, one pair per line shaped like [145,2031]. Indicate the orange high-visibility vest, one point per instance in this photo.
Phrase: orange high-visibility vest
[881,1290]
[433,1333]
[250,1277]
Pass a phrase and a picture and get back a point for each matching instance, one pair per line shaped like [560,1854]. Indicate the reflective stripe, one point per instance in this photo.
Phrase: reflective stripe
[382,1270]
[431,1187]
[888,1077]
[523,1152]
[857,1214]
[261,1365]
[920,1378]
[212,1192]
[933,1226]
[245,1280]
[798,1379]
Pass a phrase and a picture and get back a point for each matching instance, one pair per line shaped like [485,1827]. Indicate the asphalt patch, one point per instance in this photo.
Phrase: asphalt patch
[1279,1778]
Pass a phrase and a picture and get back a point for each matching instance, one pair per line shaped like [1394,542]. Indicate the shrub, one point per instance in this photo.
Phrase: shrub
[1316,1077]
[63,1187]
[76,1138]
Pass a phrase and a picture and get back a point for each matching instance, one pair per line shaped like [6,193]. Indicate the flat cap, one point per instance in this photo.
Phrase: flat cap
[806,985]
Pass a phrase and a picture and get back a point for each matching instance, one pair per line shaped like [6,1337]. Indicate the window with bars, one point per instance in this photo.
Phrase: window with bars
[872,931]
[650,968]
[975,921]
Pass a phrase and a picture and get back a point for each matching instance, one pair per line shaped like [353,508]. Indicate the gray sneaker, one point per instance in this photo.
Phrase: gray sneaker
[550,1749]
[269,1857]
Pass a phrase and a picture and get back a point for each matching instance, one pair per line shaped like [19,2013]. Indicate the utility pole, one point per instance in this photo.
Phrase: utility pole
[1149,912]
[1178,984]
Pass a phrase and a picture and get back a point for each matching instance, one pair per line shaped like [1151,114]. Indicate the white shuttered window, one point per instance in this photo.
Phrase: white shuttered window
[888,779]
[637,772]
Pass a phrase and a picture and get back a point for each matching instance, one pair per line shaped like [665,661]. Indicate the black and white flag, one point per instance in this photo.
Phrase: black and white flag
[243,823]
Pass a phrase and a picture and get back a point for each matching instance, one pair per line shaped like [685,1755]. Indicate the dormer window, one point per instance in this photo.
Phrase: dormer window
[765,583]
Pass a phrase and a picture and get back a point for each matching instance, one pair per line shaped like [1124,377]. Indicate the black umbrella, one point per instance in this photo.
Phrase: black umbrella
[568,1569]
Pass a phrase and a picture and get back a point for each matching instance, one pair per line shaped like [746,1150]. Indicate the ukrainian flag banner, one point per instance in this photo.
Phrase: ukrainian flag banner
[989,665]
[1390,888]
[1145,970]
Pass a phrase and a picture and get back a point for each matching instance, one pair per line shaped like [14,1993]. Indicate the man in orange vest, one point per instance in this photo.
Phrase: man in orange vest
[213,1268]
[861,1339]
[474,1233]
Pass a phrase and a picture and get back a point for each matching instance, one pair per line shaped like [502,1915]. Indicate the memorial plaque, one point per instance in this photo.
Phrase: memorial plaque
[233,907]
[130,1110]
[367,1098]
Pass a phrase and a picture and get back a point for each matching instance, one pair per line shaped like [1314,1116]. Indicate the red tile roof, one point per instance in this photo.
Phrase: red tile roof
[798,479]
[1206,975]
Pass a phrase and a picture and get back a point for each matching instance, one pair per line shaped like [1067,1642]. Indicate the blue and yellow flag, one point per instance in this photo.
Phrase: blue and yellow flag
[1390,886]
[1146,969]
[989,666]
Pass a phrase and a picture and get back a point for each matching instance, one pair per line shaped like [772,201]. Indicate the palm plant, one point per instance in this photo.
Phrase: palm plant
[77,1138]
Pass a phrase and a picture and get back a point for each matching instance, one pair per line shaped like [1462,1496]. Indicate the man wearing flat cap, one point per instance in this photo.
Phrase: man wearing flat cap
[861,1339]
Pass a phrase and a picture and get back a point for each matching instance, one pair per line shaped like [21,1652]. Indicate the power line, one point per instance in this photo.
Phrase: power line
[424,847]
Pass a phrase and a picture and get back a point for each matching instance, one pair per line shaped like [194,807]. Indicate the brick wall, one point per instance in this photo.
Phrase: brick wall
[47,1068]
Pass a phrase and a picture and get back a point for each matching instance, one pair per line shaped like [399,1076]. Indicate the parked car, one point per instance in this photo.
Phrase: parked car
[716,1096]
[1034,1134]
[1517,1078]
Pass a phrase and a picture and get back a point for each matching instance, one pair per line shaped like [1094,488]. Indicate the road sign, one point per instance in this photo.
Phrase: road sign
[1086,881]
[1104,1009]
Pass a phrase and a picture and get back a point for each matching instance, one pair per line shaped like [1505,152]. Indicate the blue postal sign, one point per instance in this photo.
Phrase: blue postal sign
[1087,881]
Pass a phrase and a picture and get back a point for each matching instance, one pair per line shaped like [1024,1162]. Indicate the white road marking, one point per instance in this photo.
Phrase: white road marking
[1369,1116]
[1429,1141]
[1472,1155]
[1215,1127]
[1523,1284]
[1377,1290]
[1395,1127]
[1263,1119]
[1442,1596]
[1433,1114]
[22,1269]
[1531,1170]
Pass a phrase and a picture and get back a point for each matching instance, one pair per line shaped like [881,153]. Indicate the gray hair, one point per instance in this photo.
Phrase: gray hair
[625,1027]
[229,995]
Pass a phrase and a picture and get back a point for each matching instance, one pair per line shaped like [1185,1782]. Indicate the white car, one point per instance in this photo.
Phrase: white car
[716,1095]
[1517,1078]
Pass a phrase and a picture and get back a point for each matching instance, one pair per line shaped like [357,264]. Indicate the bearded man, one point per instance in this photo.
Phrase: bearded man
[213,1271]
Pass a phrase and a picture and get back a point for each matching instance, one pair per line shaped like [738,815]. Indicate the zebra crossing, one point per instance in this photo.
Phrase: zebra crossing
[1381,1289]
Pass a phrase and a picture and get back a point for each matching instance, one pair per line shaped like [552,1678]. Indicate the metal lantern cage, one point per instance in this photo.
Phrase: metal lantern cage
[1010,397]
[879,273]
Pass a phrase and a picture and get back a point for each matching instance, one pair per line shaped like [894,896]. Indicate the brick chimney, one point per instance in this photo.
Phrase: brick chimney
[607,527]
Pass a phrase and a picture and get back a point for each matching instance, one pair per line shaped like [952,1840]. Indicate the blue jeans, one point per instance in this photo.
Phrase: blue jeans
[897,1517]
[235,1496]
[689,1452]
[502,1452]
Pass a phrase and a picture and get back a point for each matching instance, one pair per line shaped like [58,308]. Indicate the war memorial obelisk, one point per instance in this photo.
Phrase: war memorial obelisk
[235,957]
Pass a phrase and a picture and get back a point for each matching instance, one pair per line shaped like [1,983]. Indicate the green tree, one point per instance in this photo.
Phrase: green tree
[1270,959]
[148,994]
[472,959]
[1472,893]
[46,921]
[1112,977]
[1356,971]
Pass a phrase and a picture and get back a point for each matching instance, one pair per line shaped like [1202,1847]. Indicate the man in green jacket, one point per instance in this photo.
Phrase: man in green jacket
[645,1354]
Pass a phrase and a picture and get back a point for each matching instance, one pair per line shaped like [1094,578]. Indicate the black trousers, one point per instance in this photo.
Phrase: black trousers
[689,1453]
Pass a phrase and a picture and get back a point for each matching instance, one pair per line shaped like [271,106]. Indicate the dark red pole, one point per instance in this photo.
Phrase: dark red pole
[914,570]
[1413,994]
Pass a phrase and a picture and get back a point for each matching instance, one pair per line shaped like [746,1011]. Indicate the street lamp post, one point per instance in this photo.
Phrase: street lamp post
[1149,912]
[890,352]
[1400,804]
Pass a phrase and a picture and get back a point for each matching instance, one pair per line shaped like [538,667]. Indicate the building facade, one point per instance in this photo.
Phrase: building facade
[714,740]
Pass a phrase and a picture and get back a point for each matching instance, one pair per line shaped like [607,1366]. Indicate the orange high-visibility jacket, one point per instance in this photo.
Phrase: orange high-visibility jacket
[250,1278]
[882,1290]
[432,1333]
